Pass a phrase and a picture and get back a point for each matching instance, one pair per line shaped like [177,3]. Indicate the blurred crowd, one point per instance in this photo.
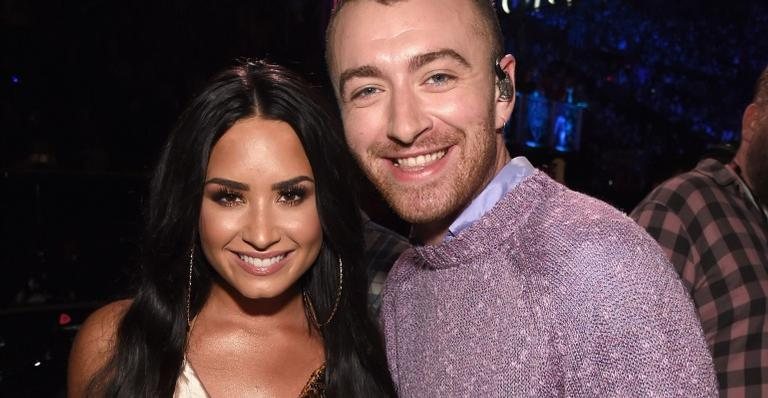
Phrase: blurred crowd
[665,83]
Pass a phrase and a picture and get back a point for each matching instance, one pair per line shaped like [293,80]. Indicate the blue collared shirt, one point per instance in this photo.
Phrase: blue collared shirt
[509,176]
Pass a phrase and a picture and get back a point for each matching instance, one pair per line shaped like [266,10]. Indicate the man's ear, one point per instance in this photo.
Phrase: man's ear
[749,123]
[505,90]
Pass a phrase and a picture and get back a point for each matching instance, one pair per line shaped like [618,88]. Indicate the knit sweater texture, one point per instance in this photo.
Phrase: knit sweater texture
[550,293]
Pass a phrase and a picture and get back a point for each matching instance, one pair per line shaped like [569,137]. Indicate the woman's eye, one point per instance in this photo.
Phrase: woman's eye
[228,198]
[292,196]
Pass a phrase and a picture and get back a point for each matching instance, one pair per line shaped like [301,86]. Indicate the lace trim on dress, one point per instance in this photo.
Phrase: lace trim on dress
[189,385]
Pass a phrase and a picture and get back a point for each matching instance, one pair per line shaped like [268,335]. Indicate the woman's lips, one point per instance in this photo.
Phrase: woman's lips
[262,265]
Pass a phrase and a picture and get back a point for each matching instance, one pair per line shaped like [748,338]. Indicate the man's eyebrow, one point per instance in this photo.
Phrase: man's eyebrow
[361,71]
[422,59]
[288,184]
[239,186]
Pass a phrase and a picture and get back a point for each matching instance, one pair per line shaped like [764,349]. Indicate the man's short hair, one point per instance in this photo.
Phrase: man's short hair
[761,89]
[485,9]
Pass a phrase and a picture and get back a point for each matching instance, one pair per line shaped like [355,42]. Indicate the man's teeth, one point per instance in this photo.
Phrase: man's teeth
[261,262]
[421,160]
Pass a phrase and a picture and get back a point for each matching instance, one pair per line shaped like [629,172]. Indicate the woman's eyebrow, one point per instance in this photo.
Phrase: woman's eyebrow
[283,185]
[236,185]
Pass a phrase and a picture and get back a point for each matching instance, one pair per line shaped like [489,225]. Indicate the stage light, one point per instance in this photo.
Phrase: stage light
[64,319]
[508,5]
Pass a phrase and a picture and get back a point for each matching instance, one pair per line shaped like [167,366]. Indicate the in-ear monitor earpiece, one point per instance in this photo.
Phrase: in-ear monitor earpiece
[506,89]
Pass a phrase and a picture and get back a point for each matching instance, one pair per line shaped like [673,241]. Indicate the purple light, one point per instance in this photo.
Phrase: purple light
[15,79]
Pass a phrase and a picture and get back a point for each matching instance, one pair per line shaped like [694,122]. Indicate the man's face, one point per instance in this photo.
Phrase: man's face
[416,89]
[757,158]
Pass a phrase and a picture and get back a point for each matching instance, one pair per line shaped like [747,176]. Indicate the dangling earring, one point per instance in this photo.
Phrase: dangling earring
[311,308]
[189,285]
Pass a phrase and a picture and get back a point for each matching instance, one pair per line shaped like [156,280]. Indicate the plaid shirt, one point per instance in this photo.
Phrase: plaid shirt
[716,237]
[382,248]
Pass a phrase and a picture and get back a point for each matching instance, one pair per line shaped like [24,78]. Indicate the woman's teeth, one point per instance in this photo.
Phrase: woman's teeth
[261,262]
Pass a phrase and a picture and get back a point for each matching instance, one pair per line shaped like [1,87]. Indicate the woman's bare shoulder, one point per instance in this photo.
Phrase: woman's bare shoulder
[100,327]
[93,345]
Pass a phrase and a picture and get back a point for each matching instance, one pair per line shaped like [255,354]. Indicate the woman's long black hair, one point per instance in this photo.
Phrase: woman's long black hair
[152,336]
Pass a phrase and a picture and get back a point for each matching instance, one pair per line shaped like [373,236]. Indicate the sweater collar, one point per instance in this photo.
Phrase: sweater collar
[496,228]
[509,176]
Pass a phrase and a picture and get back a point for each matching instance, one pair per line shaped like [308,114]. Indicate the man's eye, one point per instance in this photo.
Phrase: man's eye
[440,79]
[364,92]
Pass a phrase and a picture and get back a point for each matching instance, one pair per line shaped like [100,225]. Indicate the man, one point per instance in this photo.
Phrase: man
[516,285]
[712,223]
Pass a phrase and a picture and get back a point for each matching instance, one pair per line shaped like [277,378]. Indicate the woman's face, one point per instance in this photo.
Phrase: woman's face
[259,225]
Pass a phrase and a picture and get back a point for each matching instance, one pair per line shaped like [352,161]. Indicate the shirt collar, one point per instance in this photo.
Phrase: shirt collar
[507,178]
[716,171]
[723,175]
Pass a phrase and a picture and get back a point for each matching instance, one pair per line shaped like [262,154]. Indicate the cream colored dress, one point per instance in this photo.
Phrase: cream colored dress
[188,385]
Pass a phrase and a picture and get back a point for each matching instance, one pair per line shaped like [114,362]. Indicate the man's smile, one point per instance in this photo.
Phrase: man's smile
[418,161]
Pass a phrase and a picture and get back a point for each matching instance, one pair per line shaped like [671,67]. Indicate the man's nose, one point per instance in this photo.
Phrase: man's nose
[408,119]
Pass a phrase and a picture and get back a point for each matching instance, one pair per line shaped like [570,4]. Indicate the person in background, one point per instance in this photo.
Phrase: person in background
[382,248]
[251,282]
[516,285]
[712,222]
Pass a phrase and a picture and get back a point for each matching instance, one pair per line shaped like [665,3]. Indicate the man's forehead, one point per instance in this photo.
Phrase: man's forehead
[369,15]
[401,30]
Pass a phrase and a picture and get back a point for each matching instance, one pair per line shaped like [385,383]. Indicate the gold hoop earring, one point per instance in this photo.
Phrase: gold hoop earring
[189,285]
[311,308]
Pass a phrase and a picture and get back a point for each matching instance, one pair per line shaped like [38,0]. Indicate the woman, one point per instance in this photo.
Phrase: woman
[249,282]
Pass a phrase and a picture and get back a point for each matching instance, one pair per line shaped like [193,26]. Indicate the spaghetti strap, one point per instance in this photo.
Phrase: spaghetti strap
[315,387]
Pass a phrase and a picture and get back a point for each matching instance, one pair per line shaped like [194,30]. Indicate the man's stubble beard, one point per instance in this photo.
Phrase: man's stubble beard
[443,198]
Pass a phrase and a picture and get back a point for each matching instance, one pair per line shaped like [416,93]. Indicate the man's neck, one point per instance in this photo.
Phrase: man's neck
[434,232]
[739,168]
[431,233]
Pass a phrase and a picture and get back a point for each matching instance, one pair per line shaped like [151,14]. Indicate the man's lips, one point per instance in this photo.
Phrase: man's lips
[418,161]
[418,167]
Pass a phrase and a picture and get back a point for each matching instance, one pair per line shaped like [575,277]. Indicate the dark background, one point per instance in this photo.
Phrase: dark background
[90,89]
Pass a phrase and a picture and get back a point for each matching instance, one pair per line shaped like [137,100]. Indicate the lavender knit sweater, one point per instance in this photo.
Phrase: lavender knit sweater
[551,293]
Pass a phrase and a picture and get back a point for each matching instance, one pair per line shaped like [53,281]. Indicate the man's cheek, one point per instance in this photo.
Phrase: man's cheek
[359,131]
[355,140]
